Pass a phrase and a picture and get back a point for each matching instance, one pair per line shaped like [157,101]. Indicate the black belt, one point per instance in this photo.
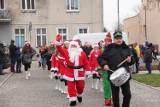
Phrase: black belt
[74,67]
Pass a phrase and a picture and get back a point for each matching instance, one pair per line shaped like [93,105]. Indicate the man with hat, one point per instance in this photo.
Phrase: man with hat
[112,56]
[76,62]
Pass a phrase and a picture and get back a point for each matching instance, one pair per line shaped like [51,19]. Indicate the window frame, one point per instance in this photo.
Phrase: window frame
[71,10]
[83,29]
[41,35]
[20,34]
[26,9]
[3,5]
[63,34]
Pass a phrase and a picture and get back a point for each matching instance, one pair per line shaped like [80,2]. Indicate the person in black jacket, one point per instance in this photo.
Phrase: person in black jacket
[12,51]
[112,56]
[2,53]
[148,57]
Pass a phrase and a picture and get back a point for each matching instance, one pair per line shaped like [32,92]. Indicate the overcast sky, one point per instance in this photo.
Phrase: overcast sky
[110,11]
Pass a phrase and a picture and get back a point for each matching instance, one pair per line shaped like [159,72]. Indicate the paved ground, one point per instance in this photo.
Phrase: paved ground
[39,91]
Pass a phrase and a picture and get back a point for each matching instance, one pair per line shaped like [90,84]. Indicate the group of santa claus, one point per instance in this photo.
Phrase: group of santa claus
[71,64]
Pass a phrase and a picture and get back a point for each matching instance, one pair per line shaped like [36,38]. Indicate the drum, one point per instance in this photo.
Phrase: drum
[119,77]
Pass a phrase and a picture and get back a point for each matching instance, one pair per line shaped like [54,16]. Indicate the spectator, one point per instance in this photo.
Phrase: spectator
[135,56]
[12,51]
[2,53]
[51,50]
[43,53]
[87,49]
[138,51]
[27,53]
[18,60]
[148,57]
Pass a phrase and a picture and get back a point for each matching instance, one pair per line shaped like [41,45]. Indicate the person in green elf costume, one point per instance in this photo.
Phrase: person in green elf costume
[105,76]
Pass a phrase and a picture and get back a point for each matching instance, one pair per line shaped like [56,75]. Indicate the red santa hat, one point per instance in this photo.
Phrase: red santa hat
[67,41]
[74,43]
[27,42]
[108,39]
[95,45]
[51,43]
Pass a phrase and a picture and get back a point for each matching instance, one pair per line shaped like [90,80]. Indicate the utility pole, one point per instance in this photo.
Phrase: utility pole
[118,16]
[145,8]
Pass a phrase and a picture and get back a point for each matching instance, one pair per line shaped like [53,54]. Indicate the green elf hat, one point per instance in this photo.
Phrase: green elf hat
[117,34]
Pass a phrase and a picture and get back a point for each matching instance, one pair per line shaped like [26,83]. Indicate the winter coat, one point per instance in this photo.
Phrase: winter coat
[27,55]
[148,55]
[113,55]
[12,50]
[2,53]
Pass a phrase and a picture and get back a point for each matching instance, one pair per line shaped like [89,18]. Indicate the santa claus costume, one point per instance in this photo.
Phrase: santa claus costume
[94,64]
[76,62]
[61,68]
[54,70]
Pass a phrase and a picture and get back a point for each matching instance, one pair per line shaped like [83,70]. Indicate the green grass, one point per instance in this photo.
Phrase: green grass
[149,79]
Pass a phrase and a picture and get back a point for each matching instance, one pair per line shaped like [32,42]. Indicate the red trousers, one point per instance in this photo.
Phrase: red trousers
[75,88]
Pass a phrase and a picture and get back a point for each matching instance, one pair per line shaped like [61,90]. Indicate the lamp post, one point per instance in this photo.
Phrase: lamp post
[145,9]
[30,29]
[118,16]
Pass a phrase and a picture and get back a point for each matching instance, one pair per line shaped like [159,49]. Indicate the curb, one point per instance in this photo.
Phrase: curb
[154,88]
[5,79]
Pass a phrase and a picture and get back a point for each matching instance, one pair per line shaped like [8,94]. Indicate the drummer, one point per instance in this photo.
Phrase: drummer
[112,56]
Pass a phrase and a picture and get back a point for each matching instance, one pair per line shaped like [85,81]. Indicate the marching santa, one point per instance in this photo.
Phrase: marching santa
[94,64]
[76,62]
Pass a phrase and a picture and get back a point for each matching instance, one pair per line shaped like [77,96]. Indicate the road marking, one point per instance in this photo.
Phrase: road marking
[5,79]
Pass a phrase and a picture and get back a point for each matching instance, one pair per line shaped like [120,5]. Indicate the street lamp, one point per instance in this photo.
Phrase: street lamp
[30,29]
[145,9]
[118,16]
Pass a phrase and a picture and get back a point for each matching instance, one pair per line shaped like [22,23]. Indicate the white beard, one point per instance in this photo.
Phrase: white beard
[74,54]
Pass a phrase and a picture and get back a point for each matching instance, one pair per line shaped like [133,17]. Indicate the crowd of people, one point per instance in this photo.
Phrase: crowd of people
[70,63]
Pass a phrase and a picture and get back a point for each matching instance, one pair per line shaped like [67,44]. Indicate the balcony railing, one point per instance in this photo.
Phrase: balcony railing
[5,16]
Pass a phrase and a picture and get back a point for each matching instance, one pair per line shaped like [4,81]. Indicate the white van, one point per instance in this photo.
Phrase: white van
[96,37]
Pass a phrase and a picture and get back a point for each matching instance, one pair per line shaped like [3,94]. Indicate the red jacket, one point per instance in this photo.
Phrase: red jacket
[74,74]
[61,65]
[93,60]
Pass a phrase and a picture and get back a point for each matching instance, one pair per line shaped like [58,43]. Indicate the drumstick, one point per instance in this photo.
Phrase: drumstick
[110,70]
[123,62]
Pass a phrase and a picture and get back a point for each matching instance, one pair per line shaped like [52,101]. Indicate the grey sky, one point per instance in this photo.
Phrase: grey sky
[110,11]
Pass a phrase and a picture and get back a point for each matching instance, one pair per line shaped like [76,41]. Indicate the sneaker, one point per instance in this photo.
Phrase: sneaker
[79,99]
[108,102]
[72,103]
[29,73]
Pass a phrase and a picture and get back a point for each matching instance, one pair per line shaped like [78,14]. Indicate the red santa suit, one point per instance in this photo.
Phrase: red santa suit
[74,74]
[54,64]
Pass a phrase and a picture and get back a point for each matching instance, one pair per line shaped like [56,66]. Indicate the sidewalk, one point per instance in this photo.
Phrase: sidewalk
[4,77]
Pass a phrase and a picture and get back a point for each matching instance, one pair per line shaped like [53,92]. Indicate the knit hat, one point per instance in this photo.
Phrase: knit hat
[26,41]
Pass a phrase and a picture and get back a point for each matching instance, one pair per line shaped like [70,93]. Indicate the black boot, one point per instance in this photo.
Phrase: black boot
[79,99]
[72,103]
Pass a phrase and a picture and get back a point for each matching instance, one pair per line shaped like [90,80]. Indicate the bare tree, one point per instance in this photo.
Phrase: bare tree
[116,27]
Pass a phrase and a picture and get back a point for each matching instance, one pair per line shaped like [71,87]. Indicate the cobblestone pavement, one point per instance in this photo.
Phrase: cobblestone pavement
[39,91]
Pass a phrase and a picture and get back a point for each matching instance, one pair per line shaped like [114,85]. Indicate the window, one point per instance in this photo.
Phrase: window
[83,30]
[63,33]
[28,4]
[72,5]
[1,4]
[19,37]
[41,36]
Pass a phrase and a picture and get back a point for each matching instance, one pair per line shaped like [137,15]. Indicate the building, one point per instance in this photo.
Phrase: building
[145,26]
[40,20]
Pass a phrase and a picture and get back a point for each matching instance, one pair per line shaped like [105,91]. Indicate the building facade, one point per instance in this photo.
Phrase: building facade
[145,26]
[39,21]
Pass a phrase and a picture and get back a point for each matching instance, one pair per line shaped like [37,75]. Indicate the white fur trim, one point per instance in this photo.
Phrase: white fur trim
[60,57]
[74,43]
[58,43]
[56,68]
[88,73]
[68,78]
[72,99]
[93,72]
[52,69]
[79,95]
